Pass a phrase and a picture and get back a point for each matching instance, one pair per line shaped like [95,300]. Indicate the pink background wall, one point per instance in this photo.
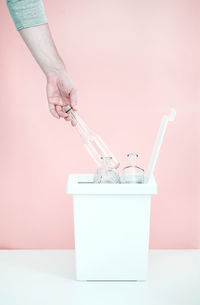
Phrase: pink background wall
[131,61]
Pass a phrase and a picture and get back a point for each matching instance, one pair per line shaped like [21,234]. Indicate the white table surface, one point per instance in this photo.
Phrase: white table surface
[47,277]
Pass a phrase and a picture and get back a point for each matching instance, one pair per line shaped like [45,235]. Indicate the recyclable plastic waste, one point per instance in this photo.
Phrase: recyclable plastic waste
[92,142]
[106,161]
[132,173]
[106,174]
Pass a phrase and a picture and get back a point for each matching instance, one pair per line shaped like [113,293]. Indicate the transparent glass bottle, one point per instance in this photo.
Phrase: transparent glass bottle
[132,173]
[91,141]
[106,173]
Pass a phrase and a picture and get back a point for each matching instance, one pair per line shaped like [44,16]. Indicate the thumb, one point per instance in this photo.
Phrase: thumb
[73,98]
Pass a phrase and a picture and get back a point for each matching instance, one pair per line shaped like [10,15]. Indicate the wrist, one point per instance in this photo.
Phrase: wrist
[55,70]
[54,66]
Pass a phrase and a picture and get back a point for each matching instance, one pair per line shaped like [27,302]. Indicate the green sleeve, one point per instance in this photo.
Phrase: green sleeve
[27,13]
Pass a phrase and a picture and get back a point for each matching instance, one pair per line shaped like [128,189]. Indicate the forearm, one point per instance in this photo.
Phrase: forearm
[40,43]
[31,22]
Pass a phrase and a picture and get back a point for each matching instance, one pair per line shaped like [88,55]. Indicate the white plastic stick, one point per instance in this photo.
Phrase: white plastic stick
[158,143]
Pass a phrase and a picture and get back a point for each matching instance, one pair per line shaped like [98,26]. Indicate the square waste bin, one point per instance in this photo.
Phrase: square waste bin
[111,223]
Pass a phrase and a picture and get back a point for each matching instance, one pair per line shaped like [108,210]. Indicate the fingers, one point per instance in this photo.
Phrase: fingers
[58,112]
[53,93]
[69,119]
[61,92]
[61,112]
[56,100]
[64,100]
[52,109]
[73,98]
[56,104]
[73,124]
[68,93]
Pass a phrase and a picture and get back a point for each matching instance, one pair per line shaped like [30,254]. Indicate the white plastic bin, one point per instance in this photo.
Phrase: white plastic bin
[111,224]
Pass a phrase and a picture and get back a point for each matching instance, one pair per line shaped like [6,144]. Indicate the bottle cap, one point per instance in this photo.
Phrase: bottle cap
[68,108]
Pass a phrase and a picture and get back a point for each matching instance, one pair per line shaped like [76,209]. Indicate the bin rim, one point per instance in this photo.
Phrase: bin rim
[82,184]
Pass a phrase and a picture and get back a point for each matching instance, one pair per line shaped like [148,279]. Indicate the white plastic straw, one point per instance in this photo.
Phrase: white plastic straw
[158,143]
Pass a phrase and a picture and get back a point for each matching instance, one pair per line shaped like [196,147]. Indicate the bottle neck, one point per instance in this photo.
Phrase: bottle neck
[132,157]
[79,124]
[106,162]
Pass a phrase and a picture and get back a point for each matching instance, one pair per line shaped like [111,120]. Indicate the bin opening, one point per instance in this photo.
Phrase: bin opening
[80,184]
[86,182]
[91,181]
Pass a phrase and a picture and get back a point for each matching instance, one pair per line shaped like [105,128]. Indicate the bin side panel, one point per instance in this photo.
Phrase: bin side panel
[111,236]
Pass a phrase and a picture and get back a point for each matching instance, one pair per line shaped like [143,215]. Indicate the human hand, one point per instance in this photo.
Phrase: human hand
[60,88]
[61,92]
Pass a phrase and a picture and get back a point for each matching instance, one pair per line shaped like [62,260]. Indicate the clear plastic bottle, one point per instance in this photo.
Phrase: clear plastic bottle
[106,173]
[132,173]
[91,141]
